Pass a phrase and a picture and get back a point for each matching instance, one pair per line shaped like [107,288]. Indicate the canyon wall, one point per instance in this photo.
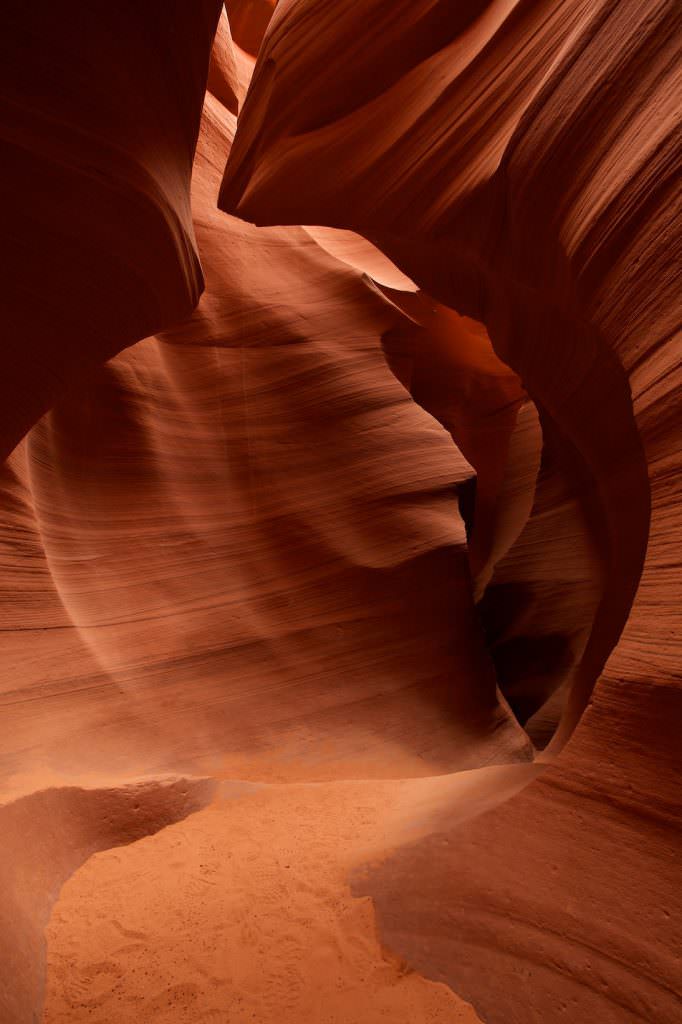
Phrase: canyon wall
[340,409]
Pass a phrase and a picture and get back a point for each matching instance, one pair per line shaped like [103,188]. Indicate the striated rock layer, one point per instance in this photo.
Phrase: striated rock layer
[395,501]
[524,176]
[247,519]
[219,559]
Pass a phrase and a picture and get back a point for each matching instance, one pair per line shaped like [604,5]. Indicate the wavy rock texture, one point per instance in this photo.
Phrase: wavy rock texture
[249,509]
[380,498]
[237,545]
[524,176]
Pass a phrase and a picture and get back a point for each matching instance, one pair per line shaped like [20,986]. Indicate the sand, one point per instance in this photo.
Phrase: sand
[241,913]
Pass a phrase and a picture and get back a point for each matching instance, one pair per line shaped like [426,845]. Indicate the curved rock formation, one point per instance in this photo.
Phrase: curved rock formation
[96,199]
[300,525]
[490,218]
[524,177]
[249,19]
[388,512]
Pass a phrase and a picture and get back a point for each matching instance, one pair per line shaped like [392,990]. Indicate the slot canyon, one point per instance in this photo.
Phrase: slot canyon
[341,512]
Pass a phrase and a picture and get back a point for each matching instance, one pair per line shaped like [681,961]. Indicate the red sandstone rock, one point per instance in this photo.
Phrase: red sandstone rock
[238,549]
[523,176]
[100,119]
[251,504]
[249,20]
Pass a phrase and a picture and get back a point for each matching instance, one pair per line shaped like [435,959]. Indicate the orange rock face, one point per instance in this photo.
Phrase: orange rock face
[340,409]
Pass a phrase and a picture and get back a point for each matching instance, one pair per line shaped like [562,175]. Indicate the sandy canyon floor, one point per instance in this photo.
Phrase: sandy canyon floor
[241,913]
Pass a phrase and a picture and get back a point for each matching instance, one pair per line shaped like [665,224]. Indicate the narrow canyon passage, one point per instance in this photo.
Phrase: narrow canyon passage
[340,512]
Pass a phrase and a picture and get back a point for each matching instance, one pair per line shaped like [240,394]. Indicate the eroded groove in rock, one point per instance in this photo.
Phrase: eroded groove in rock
[450,368]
